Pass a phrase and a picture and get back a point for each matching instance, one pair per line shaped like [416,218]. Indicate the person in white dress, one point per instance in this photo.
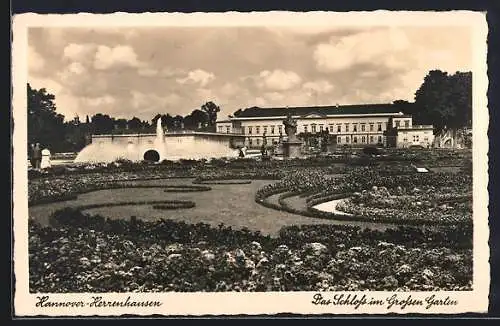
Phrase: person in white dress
[45,163]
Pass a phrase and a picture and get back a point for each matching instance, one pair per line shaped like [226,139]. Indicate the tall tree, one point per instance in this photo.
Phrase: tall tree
[134,123]
[211,109]
[45,125]
[197,119]
[102,124]
[444,100]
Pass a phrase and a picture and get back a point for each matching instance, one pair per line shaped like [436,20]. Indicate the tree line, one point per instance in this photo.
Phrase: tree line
[49,128]
[443,100]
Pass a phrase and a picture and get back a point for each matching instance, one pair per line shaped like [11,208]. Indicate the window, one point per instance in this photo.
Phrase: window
[371,139]
[339,139]
[379,139]
[279,129]
[379,127]
[338,128]
[228,129]
[363,139]
[331,128]
[265,129]
[320,127]
[272,130]
[220,128]
[313,128]
[362,127]
[258,141]
[257,131]
[355,140]
[250,131]
[398,123]
[371,127]
[355,128]
[250,141]
[346,139]
[405,139]
[346,127]
[407,123]
[305,128]
[426,139]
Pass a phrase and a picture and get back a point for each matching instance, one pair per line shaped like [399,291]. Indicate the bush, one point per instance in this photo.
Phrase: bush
[371,150]
[105,255]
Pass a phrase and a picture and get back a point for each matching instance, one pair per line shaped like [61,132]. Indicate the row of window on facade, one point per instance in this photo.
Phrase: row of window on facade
[371,127]
[416,139]
[320,127]
[340,140]
[356,140]
[221,129]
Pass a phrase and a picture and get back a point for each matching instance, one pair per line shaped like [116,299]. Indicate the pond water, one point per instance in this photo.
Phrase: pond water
[231,204]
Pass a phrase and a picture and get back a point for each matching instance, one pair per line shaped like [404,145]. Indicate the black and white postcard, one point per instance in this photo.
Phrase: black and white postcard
[250,163]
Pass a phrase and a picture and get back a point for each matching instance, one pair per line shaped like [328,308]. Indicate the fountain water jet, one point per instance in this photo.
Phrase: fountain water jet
[160,140]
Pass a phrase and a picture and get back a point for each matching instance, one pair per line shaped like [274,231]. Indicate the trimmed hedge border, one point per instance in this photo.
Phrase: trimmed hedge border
[186,188]
[117,185]
[220,182]
[179,203]
[175,205]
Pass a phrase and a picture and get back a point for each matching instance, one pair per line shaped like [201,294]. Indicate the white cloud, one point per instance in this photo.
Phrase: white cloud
[229,89]
[197,76]
[75,51]
[35,61]
[319,86]
[147,72]
[49,84]
[118,56]
[278,80]
[147,101]
[389,47]
[76,68]
[275,96]
[99,101]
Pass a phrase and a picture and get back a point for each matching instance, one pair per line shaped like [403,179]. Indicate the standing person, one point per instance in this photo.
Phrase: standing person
[45,162]
[30,155]
[37,155]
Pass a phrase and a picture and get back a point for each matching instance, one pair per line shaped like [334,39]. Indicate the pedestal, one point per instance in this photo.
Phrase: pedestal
[291,149]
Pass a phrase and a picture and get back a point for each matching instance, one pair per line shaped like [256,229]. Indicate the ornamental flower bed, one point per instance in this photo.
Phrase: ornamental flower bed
[411,197]
[86,253]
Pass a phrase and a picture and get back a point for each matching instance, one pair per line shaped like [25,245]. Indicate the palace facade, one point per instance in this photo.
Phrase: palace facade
[352,125]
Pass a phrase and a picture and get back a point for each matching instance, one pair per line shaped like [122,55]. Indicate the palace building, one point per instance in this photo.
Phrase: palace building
[354,125]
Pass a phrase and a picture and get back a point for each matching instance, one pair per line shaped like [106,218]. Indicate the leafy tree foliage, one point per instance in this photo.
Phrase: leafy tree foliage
[211,109]
[45,125]
[444,100]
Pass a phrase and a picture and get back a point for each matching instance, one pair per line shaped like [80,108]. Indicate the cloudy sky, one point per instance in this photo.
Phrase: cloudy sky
[128,72]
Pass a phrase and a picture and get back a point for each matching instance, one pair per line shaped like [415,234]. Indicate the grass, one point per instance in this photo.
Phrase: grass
[231,204]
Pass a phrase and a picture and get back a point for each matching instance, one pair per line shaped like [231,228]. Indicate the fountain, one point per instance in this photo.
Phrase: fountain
[160,140]
[184,144]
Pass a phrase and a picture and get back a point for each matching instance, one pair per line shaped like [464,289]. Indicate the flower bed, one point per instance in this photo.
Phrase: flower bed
[92,254]
[403,199]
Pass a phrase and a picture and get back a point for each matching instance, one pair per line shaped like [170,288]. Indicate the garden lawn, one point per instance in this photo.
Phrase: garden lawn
[232,205]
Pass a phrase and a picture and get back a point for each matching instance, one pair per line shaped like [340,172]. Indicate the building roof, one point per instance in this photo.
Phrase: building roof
[257,112]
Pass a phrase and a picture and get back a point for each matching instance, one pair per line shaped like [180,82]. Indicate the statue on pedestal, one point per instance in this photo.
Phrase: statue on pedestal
[292,146]
[290,128]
